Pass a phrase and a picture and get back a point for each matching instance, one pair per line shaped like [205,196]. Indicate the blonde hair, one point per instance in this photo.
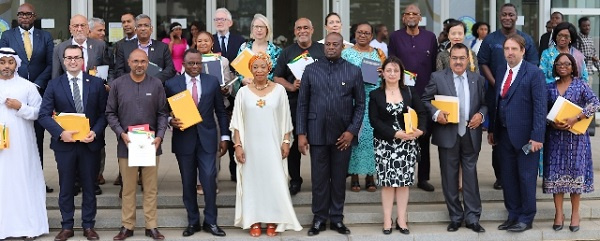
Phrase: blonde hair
[264,19]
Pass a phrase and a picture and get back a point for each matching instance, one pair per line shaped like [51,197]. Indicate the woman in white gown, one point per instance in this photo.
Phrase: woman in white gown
[262,127]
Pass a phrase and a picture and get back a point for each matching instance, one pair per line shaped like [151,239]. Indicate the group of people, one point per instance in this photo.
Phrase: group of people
[350,125]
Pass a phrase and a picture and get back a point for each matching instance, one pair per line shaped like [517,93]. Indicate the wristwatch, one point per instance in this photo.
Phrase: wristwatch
[286,142]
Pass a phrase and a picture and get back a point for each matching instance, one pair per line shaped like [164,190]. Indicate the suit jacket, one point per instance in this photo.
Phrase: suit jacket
[96,50]
[544,40]
[205,132]
[526,105]
[442,83]
[331,101]
[37,70]
[59,97]
[383,121]
[158,53]
[233,45]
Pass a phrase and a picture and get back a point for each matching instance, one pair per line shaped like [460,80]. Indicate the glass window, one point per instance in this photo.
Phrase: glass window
[168,11]
[527,10]
[285,15]
[111,10]
[470,14]
[372,11]
[60,12]
[242,12]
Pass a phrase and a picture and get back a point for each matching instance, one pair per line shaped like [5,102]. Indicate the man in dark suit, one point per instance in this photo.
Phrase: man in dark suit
[459,144]
[517,130]
[34,47]
[161,64]
[76,92]
[196,146]
[224,41]
[545,39]
[331,105]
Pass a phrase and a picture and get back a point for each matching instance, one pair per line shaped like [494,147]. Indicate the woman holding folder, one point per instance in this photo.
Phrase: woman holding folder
[567,156]
[362,161]
[396,148]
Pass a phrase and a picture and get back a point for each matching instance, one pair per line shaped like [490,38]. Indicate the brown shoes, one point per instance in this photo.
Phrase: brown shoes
[123,234]
[90,234]
[154,234]
[64,234]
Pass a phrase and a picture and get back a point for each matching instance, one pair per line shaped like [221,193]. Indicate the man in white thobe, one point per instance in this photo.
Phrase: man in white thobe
[22,188]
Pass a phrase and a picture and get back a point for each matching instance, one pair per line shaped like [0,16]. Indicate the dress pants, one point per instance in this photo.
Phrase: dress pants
[461,154]
[329,167]
[519,174]
[128,204]
[39,138]
[189,166]
[424,164]
[294,156]
[82,164]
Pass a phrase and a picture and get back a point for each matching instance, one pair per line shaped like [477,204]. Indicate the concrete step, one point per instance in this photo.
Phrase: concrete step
[590,230]
[354,214]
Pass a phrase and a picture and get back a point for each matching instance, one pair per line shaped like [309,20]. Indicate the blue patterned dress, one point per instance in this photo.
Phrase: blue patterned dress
[568,157]
[362,161]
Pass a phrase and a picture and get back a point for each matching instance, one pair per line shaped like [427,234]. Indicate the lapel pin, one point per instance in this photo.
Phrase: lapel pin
[152,49]
[87,80]
[343,83]
[90,46]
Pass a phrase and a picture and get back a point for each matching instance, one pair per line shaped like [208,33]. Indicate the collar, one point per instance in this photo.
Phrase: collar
[464,75]
[188,79]
[75,43]
[79,76]
[583,35]
[132,38]
[23,30]
[226,35]
[140,44]
[516,68]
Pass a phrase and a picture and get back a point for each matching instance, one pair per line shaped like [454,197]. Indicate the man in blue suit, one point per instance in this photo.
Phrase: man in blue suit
[517,130]
[224,41]
[34,47]
[76,92]
[196,147]
[331,106]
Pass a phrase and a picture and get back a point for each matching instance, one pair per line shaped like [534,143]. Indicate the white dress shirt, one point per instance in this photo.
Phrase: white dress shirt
[85,51]
[79,83]
[515,71]
[30,35]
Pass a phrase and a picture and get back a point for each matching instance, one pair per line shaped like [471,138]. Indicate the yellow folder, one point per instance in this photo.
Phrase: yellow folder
[240,63]
[185,109]
[4,140]
[410,120]
[569,110]
[74,123]
[449,104]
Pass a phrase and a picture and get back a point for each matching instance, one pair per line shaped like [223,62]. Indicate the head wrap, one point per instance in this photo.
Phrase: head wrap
[262,56]
[9,52]
[174,25]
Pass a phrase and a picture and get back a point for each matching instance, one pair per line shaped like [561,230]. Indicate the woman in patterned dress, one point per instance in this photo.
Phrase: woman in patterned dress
[396,152]
[362,161]
[567,156]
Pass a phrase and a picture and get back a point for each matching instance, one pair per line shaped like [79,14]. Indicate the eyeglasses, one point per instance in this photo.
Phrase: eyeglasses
[83,25]
[412,14]
[192,63]
[456,58]
[358,33]
[563,64]
[70,58]
[220,19]
[25,14]
[565,36]
[259,27]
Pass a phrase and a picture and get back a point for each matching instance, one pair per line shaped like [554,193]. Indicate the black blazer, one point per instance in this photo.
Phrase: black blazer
[382,121]
[158,53]
[233,45]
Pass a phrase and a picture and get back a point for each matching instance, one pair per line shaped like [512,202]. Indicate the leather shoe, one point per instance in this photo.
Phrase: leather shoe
[425,186]
[90,234]
[574,228]
[294,189]
[123,234]
[519,227]
[453,226]
[476,227]
[213,229]
[316,227]
[98,191]
[497,185]
[154,234]
[506,224]
[64,234]
[118,181]
[190,230]
[49,189]
[101,179]
[339,227]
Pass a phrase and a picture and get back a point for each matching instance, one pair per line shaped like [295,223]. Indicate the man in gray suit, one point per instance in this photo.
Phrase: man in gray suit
[94,51]
[459,144]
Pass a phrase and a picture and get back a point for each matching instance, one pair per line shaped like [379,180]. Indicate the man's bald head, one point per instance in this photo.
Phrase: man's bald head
[138,63]
[79,28]
[26,16]
[303,30]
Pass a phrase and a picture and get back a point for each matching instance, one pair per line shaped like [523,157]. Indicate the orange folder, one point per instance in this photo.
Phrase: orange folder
[78,123]
[240,63]
[449,104]
[568,110]
[185,109]
[410,120]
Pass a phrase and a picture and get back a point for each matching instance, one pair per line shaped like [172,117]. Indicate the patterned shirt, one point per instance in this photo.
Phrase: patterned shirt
[586,46]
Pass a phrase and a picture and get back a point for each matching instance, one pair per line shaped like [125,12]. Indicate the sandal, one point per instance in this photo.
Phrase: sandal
[255,230]
[370,184]
[354,184]
[271,229]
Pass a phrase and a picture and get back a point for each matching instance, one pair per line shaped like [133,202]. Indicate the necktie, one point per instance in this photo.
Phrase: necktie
[223,48]
[462,118]
[83,65]
[194,91]
[77,96]
[506,85]
[27,44]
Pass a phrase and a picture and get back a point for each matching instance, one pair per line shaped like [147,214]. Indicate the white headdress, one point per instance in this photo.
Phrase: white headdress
[9,52]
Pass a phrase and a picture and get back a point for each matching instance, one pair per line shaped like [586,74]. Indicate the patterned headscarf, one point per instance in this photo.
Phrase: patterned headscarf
[9,52]
[262,56]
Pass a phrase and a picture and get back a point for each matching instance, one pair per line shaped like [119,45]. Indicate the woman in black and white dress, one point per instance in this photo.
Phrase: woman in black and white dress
[396,152]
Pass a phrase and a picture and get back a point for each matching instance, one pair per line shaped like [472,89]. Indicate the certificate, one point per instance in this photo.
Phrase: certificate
[141,151]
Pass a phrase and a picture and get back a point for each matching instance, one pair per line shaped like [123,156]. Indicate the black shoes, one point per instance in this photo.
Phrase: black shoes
[425,186]
[453,226]
[98,190]
[213,229]
[497,185]
[339,227]
[574,228]
[506,224]
[518,227]
[476,227]
[190,230]
[294,189]
[49,189]
[558,227]
[401,230]
[316,227]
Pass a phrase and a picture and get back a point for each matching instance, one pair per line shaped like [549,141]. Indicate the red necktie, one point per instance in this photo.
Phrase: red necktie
[507,83]
[194,91]
[83,65]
